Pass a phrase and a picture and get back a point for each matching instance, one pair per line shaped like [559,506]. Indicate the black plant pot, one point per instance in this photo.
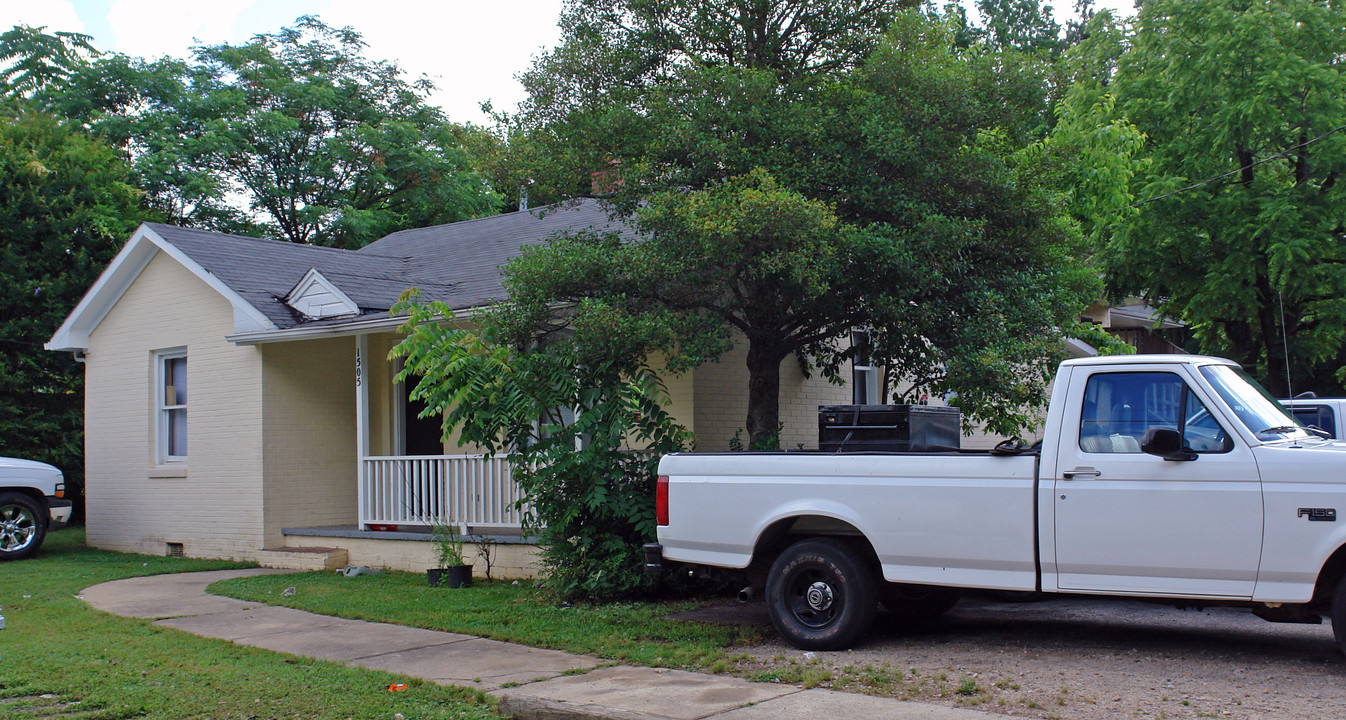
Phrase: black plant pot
[458,576]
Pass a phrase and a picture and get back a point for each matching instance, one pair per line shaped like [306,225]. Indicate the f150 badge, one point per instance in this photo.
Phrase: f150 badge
[1319,514]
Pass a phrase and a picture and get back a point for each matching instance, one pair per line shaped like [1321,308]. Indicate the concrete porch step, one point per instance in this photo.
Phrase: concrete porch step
[303,558]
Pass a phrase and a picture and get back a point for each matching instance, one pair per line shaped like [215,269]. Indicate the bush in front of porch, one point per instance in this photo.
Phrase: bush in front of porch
[581,422]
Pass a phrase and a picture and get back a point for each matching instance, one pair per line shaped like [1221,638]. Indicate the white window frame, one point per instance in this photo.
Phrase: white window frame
[872,379]
[865,368]
[162,408]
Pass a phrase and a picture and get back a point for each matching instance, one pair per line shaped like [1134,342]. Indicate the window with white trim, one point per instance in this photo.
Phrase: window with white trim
[171,405]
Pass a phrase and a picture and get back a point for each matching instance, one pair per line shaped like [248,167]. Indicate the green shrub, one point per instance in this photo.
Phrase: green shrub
[583,431]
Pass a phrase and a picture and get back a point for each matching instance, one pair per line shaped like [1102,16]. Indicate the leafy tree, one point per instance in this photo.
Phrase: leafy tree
[327,146]
[65,207]
[35,61]
[924,155]
[570,419]
[1102,146]
[1022,24]
[1243,212]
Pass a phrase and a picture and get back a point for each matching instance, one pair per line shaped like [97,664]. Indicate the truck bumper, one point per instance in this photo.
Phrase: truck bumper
[60,512]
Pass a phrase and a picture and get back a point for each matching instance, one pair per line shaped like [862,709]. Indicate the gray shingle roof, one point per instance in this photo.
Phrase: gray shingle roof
[458,263]
[471,253]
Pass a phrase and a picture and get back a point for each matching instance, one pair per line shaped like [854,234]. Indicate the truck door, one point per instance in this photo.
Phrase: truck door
[1129,522]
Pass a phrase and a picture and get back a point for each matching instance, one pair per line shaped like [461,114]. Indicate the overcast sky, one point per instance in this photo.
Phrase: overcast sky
[470,48]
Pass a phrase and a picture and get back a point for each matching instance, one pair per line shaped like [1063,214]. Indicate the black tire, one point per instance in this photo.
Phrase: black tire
[821,595]
[1339,615]
[916,603]
[23,526]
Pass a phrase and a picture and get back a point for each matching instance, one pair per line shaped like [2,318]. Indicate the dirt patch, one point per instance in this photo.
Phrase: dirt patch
[1074,660]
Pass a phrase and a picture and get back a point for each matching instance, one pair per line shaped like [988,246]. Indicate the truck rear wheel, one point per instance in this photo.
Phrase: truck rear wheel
[914,603]
[821,595]
[22,526]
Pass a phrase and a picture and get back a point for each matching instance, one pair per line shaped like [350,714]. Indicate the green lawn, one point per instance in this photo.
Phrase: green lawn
[104,666]
[636,633]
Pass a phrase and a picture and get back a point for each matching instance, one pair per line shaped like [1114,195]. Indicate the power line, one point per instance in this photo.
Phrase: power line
[1254,164]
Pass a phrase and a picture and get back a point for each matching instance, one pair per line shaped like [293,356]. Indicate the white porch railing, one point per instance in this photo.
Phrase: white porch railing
[470,490]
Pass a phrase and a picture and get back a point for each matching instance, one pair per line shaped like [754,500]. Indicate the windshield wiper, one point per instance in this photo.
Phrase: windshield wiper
[1280,429]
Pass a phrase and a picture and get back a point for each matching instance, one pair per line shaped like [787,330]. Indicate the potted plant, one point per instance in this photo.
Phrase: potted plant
[450,570]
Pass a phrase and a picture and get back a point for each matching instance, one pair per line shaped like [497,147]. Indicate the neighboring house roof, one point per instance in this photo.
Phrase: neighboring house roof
[1140,316]
[275,286]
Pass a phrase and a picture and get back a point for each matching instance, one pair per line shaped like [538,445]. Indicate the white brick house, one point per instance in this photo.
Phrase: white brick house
[239,402]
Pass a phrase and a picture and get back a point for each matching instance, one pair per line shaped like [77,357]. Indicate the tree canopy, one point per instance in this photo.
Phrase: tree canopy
[1242,214]
[67,207]
[912,174]
[325,145]
[36,60]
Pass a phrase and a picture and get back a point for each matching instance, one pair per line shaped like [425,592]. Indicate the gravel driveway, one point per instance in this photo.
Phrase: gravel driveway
[1079,659]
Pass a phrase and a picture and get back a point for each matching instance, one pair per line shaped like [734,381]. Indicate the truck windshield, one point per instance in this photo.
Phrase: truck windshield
[1255,407]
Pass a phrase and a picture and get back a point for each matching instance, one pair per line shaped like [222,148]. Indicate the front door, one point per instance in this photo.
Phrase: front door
[423,436]
[1129,522]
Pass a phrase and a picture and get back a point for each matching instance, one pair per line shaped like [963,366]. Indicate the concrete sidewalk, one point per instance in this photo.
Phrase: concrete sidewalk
[538,686]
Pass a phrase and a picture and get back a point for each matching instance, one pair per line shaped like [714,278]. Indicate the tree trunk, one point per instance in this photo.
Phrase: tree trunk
[764,397]
[1269,328]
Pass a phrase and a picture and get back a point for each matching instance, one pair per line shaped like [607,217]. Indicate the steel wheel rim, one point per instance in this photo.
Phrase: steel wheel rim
[813,598]
[18,527]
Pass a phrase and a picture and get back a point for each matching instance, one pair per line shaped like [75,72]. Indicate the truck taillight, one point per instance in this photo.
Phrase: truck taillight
[661,500]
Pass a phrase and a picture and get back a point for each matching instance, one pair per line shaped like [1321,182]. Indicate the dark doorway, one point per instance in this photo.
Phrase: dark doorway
[422,434]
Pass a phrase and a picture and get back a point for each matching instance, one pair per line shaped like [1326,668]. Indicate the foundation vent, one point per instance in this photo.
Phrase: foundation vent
[174,550]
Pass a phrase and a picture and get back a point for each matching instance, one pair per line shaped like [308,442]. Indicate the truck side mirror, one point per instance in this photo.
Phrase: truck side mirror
[1166,443]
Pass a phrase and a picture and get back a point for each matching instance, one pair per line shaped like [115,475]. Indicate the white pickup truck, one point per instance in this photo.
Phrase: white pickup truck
[1159,476]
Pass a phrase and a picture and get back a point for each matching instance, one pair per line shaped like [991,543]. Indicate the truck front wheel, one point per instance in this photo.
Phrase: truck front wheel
[821,595]
[22,526]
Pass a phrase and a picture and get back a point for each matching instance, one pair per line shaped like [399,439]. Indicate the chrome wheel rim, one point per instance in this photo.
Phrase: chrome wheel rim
[18,527]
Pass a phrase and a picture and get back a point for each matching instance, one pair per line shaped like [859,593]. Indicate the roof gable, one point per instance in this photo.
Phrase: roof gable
[114,281]
[316,297]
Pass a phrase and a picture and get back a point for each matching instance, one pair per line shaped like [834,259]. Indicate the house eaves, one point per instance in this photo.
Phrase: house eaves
[116,279]
[338,328]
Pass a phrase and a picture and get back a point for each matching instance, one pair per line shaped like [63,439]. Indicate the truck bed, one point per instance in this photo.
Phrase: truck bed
[961,519]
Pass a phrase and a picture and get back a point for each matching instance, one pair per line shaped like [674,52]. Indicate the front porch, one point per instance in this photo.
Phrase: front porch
[474,492]
[407,477]
[401,498]
[400,476]
[513,556]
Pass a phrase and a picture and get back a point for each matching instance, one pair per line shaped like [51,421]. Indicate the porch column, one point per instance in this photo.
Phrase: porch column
[361,423]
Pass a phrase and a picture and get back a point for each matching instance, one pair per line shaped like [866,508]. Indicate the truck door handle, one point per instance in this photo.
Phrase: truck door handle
[1080,472]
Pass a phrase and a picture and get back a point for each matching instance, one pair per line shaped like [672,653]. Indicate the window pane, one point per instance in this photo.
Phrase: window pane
[175,374]
[1201,432]
[1120,407]
[177,432]
[1251,404]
